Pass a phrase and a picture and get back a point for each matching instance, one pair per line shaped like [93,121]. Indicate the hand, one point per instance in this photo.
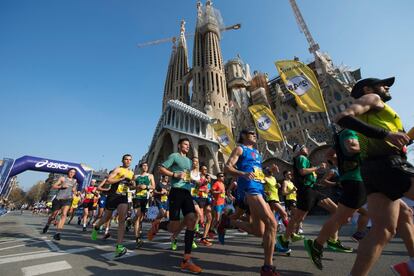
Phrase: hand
[249,175]
[398,139]
[179,175]
[274,168]
[142,187]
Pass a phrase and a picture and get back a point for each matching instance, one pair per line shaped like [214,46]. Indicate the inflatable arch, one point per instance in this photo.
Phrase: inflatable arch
[10,168]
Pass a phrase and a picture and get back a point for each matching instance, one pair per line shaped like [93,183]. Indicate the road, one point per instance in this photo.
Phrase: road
[24,250]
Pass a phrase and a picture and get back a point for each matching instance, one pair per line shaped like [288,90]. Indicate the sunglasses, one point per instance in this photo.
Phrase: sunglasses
[220,175]
[251,133]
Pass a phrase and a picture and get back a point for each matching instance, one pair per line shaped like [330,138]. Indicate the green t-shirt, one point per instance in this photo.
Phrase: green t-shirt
[304,163]
[351,169]
[178,163]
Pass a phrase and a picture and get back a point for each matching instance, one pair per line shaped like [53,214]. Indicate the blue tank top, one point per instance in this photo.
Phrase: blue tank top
[250,161]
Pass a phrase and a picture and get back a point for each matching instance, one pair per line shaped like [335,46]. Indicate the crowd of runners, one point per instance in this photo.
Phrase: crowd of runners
[368,162]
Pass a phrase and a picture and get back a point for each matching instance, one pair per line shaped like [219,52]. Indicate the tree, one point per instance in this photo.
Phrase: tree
[37,193]
[17,195]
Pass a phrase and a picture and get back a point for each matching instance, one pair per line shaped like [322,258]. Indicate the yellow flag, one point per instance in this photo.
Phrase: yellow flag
[266,123]
[224,138]
[300,80]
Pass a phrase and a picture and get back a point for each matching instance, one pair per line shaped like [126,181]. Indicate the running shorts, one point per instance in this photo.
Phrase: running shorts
[391,176]
[57,204]
[112,201]
[307,198]
[290,204]
[219,208]
[140,203]
[353,195]
[102,201]
[161,204]
[180,200]
[88,205]
[203,202]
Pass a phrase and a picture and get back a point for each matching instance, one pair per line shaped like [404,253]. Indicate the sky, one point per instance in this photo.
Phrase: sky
[74,86]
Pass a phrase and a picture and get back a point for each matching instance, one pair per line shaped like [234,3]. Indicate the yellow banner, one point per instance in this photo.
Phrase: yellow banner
[266,123]
[224,138]
[300,80]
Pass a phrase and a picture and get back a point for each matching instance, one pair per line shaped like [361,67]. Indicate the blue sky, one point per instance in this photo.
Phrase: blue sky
[74,86]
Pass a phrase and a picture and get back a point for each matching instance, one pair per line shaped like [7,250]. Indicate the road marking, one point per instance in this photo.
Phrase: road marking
[8,260]
[14,240]
[45,268]
[20,245]
[111,256]
[52,246]
[26,253]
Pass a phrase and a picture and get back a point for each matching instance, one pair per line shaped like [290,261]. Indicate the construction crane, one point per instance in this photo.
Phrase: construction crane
[313,46]
[174,38]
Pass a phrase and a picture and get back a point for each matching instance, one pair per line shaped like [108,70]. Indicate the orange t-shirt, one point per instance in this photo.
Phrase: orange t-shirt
[219,198]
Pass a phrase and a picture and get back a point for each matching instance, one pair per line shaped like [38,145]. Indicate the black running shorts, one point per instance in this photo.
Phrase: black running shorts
[57,204]
[88,205]
[354,194]
[180,199]
[307,198]
[290,204]
[390,176]
[113,201]
[140,203]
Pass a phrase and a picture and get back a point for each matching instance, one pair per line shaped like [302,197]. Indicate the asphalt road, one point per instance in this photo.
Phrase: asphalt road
[24,250]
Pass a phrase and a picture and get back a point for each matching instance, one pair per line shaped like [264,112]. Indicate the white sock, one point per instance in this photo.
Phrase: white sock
[106,230]
[84,225]
[410,264]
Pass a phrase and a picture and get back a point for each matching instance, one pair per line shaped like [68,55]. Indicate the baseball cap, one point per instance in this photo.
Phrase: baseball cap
[244,132]
[357,90]
[297,148]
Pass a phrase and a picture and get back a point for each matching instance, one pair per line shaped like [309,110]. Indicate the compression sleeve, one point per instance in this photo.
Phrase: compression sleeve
[353,123]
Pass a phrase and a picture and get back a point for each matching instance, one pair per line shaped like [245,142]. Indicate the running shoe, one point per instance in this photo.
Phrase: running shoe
[120,250]
[296,237]
[282,250]
[84,229]
[107,236]
[79,220]
[357,236]
[337,246]
[94,234]
[174,245]
[138,243]
[189,266]
[314,254]
[56,237]
[45,229]
[194,245]
[221,228]
[269,271]
[197,228]
[205,242]
[282,241]
[401,269]
[153,230]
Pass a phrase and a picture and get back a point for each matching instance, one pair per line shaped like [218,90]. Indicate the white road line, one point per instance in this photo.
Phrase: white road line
[20,245]
[14,240]
[7,260]
[26,253]
[45,268]
[111,255]
[52,246]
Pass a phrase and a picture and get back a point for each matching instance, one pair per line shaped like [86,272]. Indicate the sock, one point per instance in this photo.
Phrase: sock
[267,267]
[106,230]
[410,264]
[317,246]
[188,241]
[84,225]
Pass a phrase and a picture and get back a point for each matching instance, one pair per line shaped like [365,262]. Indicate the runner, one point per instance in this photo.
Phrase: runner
[308,198]
[104,188]
[218,191]
[75,204]
[67,187]
[385,171]
[120,179]
[289,191]
[178,166]
[347,160]
[144,184]
[205,204]
[161,197]
[245,162]
[88,202]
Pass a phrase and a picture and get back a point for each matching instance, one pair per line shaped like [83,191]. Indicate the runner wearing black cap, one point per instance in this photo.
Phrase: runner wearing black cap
[385,171]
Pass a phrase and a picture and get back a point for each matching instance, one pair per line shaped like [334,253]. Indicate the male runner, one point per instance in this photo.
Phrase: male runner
[120,179]
[245,162]
[178,167]
[353,196]
[308,198]
[67,187]
[88,202]
[144,183]
[289,191]
[386,173]
[161,197]
[205,204]
[75,204]
[219,197]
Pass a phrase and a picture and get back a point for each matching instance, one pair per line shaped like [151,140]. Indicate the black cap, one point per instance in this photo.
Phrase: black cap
[244,131]
[357,90]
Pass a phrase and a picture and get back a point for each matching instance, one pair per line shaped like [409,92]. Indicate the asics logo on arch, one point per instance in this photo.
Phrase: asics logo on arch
[51,165]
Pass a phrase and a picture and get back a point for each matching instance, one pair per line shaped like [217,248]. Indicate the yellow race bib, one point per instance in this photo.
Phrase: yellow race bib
[258,174]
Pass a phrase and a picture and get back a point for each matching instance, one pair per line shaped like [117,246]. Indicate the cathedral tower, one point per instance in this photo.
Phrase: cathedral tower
[209,82]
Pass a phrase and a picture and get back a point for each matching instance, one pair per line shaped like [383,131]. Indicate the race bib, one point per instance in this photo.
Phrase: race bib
[223,195]
[89,196]
[187,176]
[122,189]
[258,174]
[164,198]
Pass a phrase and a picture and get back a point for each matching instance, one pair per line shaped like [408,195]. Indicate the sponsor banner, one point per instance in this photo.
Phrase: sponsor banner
[300,80]
[224,138]
[266,123]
